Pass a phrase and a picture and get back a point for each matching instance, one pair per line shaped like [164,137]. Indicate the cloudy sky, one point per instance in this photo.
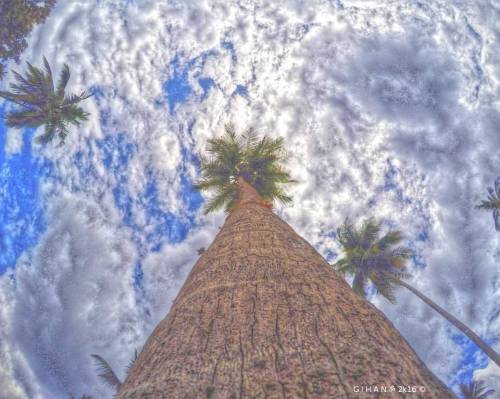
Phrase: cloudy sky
[389,110]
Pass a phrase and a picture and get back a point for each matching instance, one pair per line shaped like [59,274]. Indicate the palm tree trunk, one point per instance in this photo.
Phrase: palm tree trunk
[263,315]
[457,323]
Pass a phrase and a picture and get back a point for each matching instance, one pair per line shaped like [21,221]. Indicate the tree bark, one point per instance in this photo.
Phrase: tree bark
[263,315]
[457,323]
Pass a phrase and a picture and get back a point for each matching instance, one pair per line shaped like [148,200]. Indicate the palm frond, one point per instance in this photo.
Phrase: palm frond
[132,361]
[402,253]
[347,235]
[383,285]
[343,266]
[497,187]
[489,204]
[372,259]
[496,218]
[391,238]
[76,98]
[26,118]
[492,203]
[359,283]
[106,372]
[369,232]
[230,157]
[50,131]
[48,81]
[222,198]
[63,81]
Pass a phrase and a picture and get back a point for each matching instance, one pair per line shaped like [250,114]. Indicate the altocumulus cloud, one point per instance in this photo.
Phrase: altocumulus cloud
[387,110]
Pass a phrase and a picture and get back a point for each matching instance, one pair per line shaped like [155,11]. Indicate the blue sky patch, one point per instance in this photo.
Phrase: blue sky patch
[206,84]
[22,219]
[241,90]
[177,87]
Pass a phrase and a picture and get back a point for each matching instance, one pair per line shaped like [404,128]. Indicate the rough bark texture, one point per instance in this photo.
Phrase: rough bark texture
[262,315]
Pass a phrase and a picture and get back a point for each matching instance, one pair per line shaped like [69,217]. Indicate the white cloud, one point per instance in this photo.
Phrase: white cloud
[14,141]
[72,297]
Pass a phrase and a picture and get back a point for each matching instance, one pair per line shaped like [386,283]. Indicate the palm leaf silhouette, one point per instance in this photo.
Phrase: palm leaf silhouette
[106,372]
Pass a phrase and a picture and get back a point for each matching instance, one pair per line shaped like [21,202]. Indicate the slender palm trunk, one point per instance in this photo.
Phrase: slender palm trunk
[263,315]
[457,323]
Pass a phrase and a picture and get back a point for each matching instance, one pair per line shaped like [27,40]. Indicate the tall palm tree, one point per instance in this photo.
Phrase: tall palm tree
[232,158]
[262,314]
[493,203]
[42,103]
[475,390]
[382,261]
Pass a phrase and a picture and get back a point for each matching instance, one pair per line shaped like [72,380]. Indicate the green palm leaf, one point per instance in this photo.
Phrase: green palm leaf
[40,104]
[230,157]
[63,81]
[371,259]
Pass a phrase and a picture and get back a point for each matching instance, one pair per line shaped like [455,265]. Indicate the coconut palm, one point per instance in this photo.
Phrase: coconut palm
[475,390]
[493,203]
[43,104]
[262,314]
[231,158]
[382,261]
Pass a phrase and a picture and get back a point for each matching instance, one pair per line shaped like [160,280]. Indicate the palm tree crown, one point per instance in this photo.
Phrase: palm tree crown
[382,261]
[475,390]
[493,203]
[371,258]
[257,161]
[40,103]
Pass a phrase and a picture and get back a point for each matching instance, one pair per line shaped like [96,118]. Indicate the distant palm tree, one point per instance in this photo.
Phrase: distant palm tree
[233,157]
[381,261]
[84,396]
[493,203]
[40,103]
[475,390]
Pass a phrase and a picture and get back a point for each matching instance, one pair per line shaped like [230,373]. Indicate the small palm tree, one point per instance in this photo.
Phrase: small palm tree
[40,103]
[382,261]
[370,258]
[231,158]
[493,203]
[475,390]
